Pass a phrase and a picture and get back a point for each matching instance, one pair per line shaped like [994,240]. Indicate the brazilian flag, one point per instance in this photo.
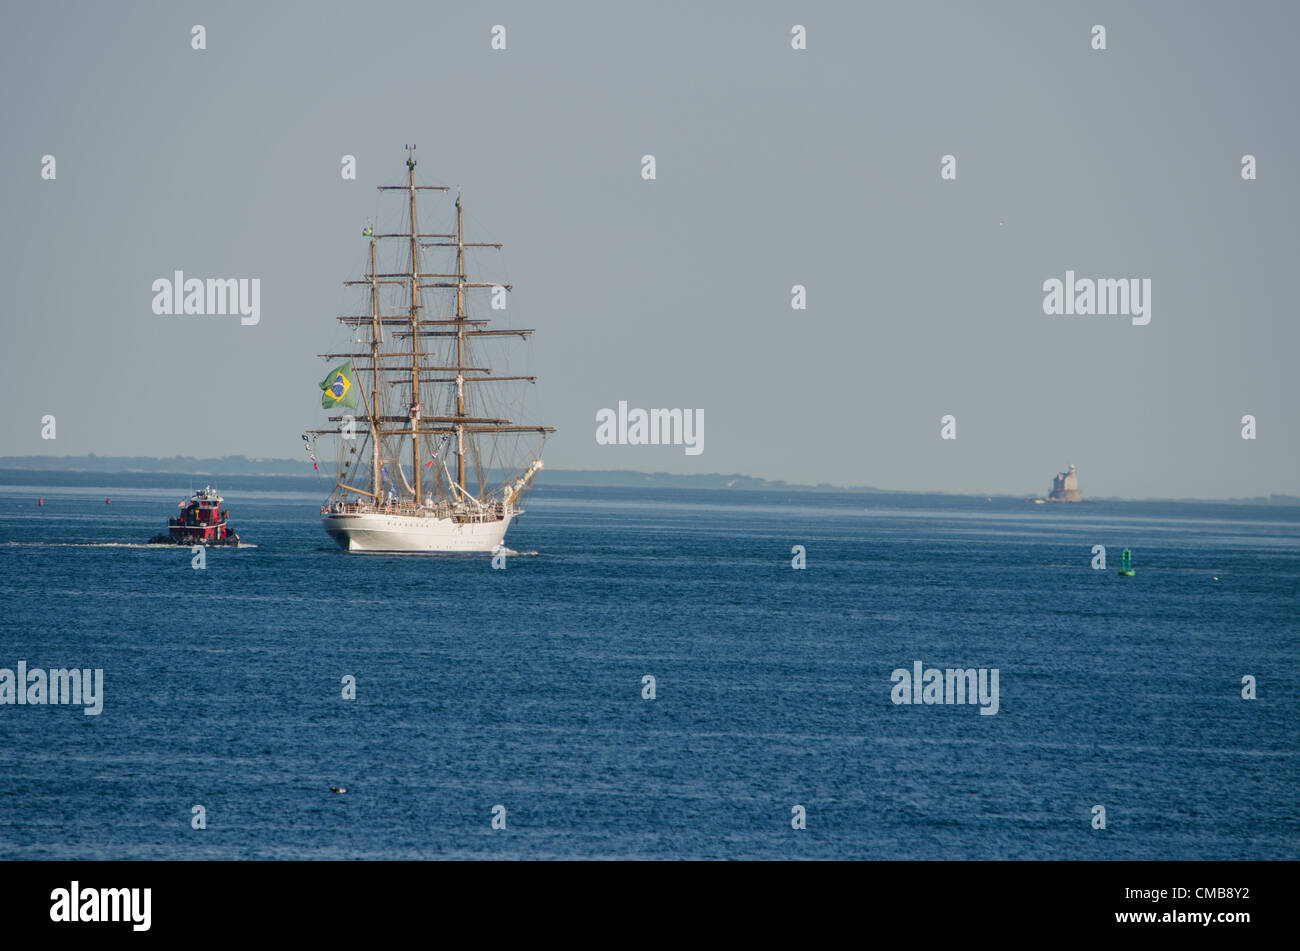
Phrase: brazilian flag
[339,387]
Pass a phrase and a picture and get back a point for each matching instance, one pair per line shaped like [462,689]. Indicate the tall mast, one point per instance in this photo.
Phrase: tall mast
[460,342]
[413,424]
[374,363]
[415,327]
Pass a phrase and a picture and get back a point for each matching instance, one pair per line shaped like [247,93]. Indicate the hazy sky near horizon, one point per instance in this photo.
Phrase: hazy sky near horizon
[775,167]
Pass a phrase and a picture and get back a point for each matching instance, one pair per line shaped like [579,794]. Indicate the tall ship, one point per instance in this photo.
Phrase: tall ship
[432,455]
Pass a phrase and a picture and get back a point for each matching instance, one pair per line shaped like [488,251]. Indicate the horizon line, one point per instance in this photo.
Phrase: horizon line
[782,483]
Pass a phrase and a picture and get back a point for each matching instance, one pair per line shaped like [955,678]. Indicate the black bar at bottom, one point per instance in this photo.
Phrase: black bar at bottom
[959,902]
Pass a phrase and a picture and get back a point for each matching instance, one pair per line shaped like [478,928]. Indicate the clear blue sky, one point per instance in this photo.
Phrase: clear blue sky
[775,167]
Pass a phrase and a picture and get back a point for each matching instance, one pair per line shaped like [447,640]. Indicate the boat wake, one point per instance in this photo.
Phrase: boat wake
[509,552]
[82,545]
[187,546]
[114,545]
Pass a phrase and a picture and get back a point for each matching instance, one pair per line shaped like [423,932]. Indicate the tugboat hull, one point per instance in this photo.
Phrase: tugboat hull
[230,541]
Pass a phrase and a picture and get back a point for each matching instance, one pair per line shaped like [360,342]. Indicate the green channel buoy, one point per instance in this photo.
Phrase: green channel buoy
[1126,564]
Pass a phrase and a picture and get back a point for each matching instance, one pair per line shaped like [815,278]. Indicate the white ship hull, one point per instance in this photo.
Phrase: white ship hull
[377,531]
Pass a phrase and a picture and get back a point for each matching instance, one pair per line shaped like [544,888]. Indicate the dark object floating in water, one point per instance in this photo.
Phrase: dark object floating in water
[1126,564]
[202,522]
[339,789]
[108,501]
[40,503]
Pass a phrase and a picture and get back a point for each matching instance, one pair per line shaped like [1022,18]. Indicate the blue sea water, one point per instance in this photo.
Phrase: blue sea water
[522,687]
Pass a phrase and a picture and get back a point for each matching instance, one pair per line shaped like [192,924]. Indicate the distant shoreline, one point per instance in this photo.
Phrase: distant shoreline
[75,470]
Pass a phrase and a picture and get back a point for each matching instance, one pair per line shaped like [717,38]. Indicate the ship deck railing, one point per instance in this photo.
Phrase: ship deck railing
[490,512]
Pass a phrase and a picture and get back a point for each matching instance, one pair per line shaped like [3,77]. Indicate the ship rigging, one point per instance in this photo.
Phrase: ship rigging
[429,400]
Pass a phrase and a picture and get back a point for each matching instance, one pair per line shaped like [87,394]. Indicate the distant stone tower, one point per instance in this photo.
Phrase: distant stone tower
[1065,487]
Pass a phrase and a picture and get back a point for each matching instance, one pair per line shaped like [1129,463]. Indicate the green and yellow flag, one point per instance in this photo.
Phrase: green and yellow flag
[339,387]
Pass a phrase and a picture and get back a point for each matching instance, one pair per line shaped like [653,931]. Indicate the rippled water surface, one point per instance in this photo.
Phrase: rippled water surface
[523,687]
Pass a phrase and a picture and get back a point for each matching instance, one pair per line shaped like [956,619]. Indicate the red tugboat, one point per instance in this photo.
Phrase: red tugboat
[202,522]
